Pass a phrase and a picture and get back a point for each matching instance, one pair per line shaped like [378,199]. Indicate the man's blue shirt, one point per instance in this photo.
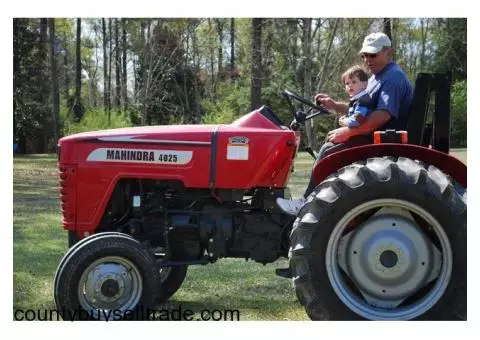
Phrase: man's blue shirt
[390,90]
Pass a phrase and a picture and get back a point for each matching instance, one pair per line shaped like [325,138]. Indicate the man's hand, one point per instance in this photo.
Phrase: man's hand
[342,121]
[339,135]
[325,101]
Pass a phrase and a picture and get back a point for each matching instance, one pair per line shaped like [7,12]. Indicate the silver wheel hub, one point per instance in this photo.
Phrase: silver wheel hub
[378,267]
[389,258]
[110,283]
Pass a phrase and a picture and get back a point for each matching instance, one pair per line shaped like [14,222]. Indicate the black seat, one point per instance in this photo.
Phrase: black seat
[436,134]
[418,111]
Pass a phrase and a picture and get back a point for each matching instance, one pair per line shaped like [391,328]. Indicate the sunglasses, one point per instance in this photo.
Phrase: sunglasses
[369,55]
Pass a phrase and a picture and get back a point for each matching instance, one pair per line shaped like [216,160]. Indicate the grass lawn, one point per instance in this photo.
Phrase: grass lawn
[39,242]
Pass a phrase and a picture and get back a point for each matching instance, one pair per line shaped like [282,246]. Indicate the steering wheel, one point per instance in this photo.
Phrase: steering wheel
[288,95]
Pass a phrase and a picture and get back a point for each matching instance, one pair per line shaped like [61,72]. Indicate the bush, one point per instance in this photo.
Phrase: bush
[93,119]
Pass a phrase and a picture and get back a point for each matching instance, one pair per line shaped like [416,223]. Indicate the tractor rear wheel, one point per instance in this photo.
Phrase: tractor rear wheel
[106,277]
[383,239]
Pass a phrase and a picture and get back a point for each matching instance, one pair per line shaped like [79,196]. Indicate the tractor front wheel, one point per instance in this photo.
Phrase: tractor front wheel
[383,239]
[108,276]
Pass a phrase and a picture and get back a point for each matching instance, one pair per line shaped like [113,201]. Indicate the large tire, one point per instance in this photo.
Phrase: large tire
[171,278]
[106,272]
[324,239]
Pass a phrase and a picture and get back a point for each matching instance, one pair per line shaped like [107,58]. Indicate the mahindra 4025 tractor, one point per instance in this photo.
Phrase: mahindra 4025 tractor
[382,237]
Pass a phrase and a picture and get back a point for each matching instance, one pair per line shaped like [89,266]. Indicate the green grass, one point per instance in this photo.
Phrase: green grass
[39,242]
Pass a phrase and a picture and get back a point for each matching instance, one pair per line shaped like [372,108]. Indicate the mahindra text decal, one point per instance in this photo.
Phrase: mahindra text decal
[140,156]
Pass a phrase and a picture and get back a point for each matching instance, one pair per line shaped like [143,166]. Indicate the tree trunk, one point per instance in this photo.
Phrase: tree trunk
[109,80]
[55,92]
[292,54]
[424,27]
[124,64]
[212,60]
[326,57]
[387,29]
[196,66]
[117,67]
[105,67]
[232,49]
[16,80]
[141,59]
[307,77]
[256,87]
[43,88]
[147,60]
[184,75]
[219,26]
[77,107]
[66,75]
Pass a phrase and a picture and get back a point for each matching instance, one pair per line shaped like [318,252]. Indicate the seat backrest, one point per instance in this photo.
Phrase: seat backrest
[418,111]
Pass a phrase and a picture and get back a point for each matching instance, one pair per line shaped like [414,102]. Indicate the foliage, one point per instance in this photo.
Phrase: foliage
[459,114]
[93,119]
[234,102]
[178,69]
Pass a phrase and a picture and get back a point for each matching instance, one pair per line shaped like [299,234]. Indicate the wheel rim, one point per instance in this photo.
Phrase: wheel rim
[110,284]
[395,265]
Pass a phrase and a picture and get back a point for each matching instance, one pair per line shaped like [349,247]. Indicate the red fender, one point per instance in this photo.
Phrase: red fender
[448,164]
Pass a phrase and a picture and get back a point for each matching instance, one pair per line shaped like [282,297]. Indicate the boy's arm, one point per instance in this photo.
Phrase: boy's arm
[358,117]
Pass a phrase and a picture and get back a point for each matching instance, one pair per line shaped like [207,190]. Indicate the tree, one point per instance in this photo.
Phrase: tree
[109,80]
[219,25]
[256,87]
[387,29]
[55,91]
[117,66]
[105,69]
[78,109]
[451,42]
[232,49]
[44,91]
[16,81]
[124,65]
[307,76]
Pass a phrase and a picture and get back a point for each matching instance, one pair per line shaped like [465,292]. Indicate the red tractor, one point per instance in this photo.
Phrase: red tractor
[382,237]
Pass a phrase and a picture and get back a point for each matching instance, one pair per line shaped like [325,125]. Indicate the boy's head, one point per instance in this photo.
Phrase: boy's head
[355,80]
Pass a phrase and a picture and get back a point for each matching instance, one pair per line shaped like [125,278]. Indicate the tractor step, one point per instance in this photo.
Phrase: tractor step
[284,272]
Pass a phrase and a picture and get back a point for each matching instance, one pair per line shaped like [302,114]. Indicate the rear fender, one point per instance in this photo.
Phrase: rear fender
[448,164]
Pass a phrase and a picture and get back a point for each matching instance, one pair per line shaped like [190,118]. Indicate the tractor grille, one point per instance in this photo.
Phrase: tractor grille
[68,195]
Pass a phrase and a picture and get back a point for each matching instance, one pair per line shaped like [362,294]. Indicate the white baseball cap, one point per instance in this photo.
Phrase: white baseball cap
[375,42]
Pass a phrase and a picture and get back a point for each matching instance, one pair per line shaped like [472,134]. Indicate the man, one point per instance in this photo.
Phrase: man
[390,94]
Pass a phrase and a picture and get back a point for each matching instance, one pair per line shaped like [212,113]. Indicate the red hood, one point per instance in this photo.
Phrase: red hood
[254,120]
[193,132]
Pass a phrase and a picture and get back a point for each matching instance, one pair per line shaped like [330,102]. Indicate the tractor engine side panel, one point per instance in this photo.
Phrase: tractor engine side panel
[102,165]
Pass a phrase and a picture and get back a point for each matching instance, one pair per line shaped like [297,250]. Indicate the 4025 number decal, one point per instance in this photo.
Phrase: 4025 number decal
[168,158]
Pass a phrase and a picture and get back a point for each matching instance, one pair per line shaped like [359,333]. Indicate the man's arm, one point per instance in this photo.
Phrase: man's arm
[374,120]
[340,107]
[328,103]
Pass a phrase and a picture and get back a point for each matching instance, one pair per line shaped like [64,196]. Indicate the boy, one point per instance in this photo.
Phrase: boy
[356,80]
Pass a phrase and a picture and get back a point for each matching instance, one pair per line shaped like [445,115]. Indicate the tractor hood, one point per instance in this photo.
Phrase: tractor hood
[263,118]
[162,133]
